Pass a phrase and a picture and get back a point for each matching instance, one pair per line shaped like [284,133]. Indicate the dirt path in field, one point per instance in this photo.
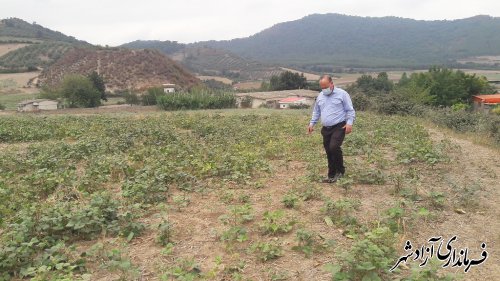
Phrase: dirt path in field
[473,166]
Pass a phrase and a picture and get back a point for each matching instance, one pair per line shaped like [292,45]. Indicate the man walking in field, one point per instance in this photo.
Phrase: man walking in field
[334,106]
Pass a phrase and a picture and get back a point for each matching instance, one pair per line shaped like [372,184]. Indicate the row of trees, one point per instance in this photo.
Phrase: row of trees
[286,81]
[437,87]
[440,95]
[197,98]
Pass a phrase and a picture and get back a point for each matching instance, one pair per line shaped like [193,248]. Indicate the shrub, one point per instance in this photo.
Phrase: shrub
[246,102]
[299,106]
[461,121]
[131,98]
[197,99]
[361,102]
[460,106]
[496,110]
[152,95]
[393,105]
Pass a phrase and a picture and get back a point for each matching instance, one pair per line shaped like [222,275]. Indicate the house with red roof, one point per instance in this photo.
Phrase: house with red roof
[290,101]
[273,99]
[486,102]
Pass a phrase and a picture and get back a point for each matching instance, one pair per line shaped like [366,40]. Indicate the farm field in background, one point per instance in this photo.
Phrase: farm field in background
[235,195]
[13,88]
[5,48]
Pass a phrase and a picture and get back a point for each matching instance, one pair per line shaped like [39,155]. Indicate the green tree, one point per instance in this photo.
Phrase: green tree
[99,84]
[288,81]
[375,86]
[404,80]
[79,91]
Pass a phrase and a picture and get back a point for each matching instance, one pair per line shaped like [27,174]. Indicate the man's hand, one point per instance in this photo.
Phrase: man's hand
[348,129]
[310,129]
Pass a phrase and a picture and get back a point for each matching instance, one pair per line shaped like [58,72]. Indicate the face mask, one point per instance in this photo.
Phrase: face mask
[327,91]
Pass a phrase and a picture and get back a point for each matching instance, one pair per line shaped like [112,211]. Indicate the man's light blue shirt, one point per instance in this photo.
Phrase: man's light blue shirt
[333,109]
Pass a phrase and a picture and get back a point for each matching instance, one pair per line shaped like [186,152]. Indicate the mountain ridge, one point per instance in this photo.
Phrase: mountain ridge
[206,60]
[328,38]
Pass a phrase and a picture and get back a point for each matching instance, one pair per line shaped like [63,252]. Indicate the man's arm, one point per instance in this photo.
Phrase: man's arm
[350,113]
[315,117]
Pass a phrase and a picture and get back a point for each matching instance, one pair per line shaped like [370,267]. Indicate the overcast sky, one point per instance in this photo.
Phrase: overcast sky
[114,22]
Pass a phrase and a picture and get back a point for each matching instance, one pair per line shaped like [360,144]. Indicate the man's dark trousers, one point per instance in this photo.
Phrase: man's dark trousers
[333,137]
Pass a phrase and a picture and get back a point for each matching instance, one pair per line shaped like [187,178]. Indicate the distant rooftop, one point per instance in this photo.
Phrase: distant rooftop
[291,99]
[488,98]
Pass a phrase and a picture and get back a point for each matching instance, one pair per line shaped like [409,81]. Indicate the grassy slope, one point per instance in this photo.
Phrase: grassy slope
[197,170]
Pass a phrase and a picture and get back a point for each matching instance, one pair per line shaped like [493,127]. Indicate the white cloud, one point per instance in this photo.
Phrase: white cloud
[116,22]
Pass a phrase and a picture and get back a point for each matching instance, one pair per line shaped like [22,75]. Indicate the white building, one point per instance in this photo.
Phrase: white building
[37,105]
[285,103]
[169,88]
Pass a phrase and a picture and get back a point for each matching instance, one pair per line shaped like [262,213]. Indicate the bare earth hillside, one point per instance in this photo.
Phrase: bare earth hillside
[122,69]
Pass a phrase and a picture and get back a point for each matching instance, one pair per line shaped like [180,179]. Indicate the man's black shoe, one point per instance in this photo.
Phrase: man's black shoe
[329,180]
[337,177]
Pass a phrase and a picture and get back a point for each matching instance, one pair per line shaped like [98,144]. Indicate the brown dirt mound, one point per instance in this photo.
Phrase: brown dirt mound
[122,69]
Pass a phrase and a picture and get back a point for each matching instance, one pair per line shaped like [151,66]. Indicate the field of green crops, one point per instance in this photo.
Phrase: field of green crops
[212,195]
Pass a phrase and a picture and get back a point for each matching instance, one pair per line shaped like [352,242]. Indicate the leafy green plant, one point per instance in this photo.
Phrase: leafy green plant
[290,200]
[429,273]
[370,176]
[466,196]
[181,201]
[275,222]
[339,212]
[266,251]
[244,198]
[345,182]
[308,192]
[437,199]
[113,260]
[369,258]
[394,218]
[164,236]
[278,275]
[116,262]
[234,233]
[147,186]
[227,196]
[184,269]
[308,242]
[238,214]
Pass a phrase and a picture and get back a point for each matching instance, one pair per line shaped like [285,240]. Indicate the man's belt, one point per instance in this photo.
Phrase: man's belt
[336,125]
